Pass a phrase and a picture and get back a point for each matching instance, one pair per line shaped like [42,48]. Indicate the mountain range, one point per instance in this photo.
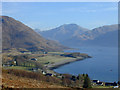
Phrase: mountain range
[17,35]
[73,35]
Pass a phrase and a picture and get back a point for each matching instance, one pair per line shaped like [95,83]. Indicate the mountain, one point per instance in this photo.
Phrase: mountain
[102,36]
[63,32]
[17,35]
[107,39]
[92,34]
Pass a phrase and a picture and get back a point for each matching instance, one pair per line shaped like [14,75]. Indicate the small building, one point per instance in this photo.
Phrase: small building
[34,69]
[25,52]
[54,74]
[116,87]
[6,65]
[34,59]
[60,76]
[99,83]
[9,63]
[45,52]
[110,84]
[14,62]
[96,81]
[36,52]
[43,72]
[48,74]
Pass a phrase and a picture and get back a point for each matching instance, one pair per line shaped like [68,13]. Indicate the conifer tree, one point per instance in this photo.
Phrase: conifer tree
[87,82]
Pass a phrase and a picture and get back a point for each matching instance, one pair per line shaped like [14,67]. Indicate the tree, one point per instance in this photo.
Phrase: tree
[118,82]
[87,82]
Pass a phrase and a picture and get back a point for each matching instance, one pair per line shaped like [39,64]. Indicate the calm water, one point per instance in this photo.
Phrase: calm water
[103,66]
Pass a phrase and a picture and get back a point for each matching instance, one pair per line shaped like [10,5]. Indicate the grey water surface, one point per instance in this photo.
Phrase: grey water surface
[102,66]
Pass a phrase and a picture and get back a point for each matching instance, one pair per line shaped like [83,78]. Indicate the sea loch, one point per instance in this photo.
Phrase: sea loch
[102,66]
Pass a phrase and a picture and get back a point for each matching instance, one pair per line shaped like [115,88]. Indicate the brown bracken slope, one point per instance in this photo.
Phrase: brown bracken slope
[12,81]
[17,35]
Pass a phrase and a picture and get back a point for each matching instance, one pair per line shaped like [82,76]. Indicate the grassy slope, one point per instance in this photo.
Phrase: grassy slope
[102,86]
[54,59]
[18,67]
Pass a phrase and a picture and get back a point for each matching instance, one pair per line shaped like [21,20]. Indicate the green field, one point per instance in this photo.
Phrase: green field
[18,67]
[102,86]
[56,53]
[52,59]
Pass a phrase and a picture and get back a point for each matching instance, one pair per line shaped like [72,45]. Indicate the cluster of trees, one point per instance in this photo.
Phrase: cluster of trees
[76,54]
[82,80]
[24,60]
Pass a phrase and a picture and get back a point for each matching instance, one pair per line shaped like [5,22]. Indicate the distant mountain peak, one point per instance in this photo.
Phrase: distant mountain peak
[71,24]
[64,31]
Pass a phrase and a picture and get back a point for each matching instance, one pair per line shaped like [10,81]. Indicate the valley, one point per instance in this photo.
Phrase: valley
[26,54]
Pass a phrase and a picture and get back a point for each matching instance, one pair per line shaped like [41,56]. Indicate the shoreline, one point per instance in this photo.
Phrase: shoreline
[59,64]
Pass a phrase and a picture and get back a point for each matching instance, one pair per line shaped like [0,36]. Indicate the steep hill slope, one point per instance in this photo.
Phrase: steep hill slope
[13,81]
[17,35]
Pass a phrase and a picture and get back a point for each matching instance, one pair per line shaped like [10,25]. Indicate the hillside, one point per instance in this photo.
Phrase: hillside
[92,34]
[17,35]
[63,32]
[101,36]
[13,81]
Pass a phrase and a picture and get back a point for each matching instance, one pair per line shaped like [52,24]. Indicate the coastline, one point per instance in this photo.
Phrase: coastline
[59,64]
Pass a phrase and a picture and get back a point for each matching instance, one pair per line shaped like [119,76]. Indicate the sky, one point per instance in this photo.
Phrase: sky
[48,15]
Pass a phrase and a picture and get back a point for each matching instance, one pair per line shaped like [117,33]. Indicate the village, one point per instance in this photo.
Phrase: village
[30,61]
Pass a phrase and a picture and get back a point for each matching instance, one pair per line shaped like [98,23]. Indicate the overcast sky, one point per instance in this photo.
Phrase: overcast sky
[47,15]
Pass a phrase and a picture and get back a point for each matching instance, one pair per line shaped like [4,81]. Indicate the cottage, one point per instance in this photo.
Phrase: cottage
[44,52]
[9,63]
[43,72]
[14,62]
[54,74]
[25,52]
[34,69]
[48,74]
[6,65]
[34,59]
[96,81]
[111,84]
[60,76]
[116,87]
[99,83]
